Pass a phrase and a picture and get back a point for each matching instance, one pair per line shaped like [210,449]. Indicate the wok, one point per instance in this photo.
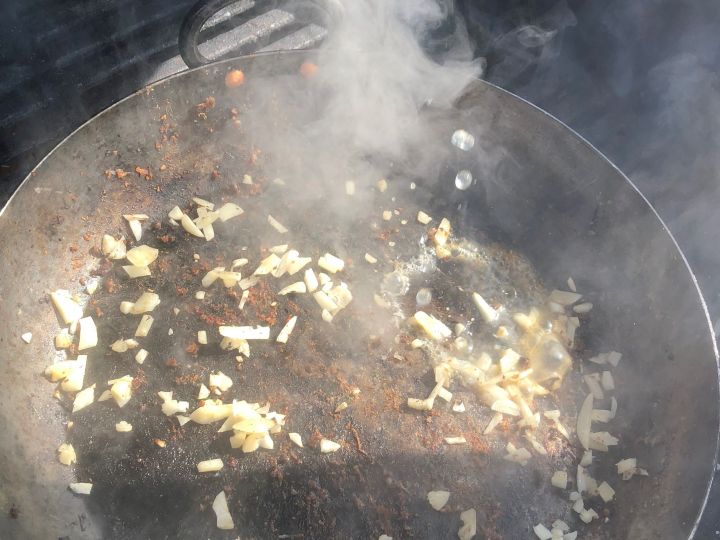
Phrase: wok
[551,197]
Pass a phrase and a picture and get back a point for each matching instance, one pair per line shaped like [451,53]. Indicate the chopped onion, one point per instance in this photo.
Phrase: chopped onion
[370,259]
[243,299]
[267,265]
[601,441]
[222,513]
[123,427]
[607,381]
[432,326]
[202,337]
[84,398]
[613,358]
[599,415]
[245,332]
[147,302]
[559,479]
[327,446]
[331,263]
[126,307]
[204,392]
[63,340]
[606,492]
[455,440]
[564,298]
[593,384]
[382,185]
[444,394]
[587,458]
[350,187]
[121,392]
[297,287]
[210,412]
[144,326]
[509,360]
[175,213]
[141,356]
[210,465]
[539,448]
[297,264]
[81,488]
[105,396]
[288,328]
[438,499]
[494,421]
[517,455]
[88,334]
[584,421]
[220,381]
[588,515]
[67,308]
[542,532]
[113,249]
[203,203]
[469,526]
[387,215]
[66,454]
[275,224]
[142,255]
[137,271]
[423,218]
[506,406]
[585,307]
[570,536]
[189,225]
[296,438]
[76,377]
[489,314]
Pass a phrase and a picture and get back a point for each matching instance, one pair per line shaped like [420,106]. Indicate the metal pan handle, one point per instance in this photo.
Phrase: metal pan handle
[200,13]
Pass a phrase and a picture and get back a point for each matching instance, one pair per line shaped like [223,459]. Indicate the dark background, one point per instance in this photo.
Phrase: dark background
[637,78]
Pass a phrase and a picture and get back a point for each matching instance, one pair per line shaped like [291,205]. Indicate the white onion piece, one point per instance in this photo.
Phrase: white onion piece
[602,440]
[564,298]
[593,383]
[324,278]
[137,271]
[63,340]
[509,360]
[387,215]
[135,228]
[279,249]
[588,515]
[370,259]
[297,287]
[275,224]
[469,526]
[66,454]
[489,314]
[245,332]
[81,488]
[382,185]
[123,427]
[517,455]
[455,440]
[506,406]
[296,439]
[434,328]
[76,377]
[189,225]
[607,381]
[584,422]
[267,265]
[327,446]
[587,458]
[142,255]
[570,536]
[203,203]
[222,513]
[325,302]
[176,213]
[220,381]
[423,218]
[287,329]
[210,412]
[331,263]
[84,398]
[147,302]
[121,392]
[297,264]
[606,492]
[210,465]
[144,326]
[559,479]
[613,358]
[438,499]
[105,396]
[600,415]
[60,370]
[350,187]
[247,179]
[202,337]
[494,421]
[88,334]
[542,532]
[585,307]
[113,249]
[229,211]
[141,356]
[445,394]
[204,392]
[539,448]
[212,275]
[126,307]
[67,308]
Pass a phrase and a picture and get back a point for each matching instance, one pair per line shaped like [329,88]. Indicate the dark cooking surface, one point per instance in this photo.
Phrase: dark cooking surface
[624,107]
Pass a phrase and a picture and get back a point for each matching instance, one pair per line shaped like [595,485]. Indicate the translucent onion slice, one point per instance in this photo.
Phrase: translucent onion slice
[564,298]
[267,265]
[434,328]
[488,313]
[68,310]
[144,326]
[606,492]
[296,439]
[287,329]
[423,218]
[469,524]
[455,440]
[220,381]
[76,377]
[123,427]
[147,302]
[494,421]
[222,513]
[204,392]
[275,224]
[327,446]
[584,421]
[210,465]
[66,454]
[542,532]
[175,213]
[142,255]
[190,226]
[81,488]
[88,334]
[245,332]
[141,356]
[121,392]
[438,499]
[137,271]
[84,398]
[559,479]
[203,203]
[113,249]
[229,211]
[298,287]
[331,263]
[298,264]
[285,261]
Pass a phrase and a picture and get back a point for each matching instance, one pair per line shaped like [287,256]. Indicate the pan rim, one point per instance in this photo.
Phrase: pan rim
[481,82]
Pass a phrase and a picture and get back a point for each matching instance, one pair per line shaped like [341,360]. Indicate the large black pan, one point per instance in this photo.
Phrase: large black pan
[551,197]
